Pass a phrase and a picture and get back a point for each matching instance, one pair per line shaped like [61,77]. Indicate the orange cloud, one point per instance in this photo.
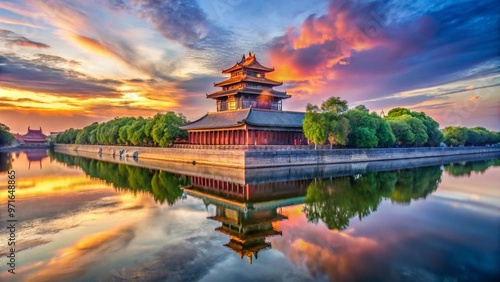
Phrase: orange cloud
[29,43]
[95,46]
[61,14]
[338,255]
[75,260]
[306,55]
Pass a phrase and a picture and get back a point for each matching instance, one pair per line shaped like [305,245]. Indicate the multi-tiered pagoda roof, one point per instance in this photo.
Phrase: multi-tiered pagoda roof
[249,111]
[248,87]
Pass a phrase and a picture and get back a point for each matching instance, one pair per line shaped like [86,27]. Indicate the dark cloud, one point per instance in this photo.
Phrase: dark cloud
[199,84]
[38,76]
[139,80]
[435,49]
[118,4]
[363,51]
[185,22]
[178,20]
[12,38]
[54,61]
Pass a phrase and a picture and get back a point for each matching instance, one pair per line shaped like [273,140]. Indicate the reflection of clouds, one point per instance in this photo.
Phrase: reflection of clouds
[326,254]
[452,235]
[174,262]
[26,244]
[75,260]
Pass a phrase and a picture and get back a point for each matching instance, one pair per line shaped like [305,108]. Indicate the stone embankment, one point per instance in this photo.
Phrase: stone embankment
[271,156]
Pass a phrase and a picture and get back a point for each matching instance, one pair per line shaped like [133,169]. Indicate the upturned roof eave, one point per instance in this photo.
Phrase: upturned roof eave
[245,78]
[193,122]
[223,93]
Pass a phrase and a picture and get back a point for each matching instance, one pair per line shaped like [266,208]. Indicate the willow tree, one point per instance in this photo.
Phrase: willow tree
[338,127]
[327,122]
[314,125]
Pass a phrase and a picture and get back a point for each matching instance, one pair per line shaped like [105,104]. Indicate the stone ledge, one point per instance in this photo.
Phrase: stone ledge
[272,156]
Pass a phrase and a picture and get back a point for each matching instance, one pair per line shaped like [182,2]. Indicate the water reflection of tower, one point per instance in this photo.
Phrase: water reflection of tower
[36,156]
[248,230]
[247,211]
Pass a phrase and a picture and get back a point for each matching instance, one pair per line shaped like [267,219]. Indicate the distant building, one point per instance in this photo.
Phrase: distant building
[249,111]
[19,137]
[54,134]
[36,157]
[34,137]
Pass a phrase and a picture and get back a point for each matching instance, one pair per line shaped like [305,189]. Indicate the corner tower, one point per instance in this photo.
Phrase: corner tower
[249,111]
[248,87]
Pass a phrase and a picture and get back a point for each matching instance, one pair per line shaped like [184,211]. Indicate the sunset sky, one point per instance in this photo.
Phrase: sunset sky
[69,63]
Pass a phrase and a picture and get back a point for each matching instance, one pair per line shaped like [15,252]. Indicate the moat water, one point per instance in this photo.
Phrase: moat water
[82,219]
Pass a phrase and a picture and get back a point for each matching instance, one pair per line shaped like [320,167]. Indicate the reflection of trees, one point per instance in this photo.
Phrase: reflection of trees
[5,162]
[164,186]
[416,183]
[466,168]
[335,201]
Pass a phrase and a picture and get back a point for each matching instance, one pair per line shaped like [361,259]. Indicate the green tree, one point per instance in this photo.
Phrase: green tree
[383,132]
[337,124]
[334,105]
[135,132]
[397,112]
[6,137]
[68,136]
[362,108]
[123,137]
[433,135]
[455,135]
[338,130]
[414,134]
[417,128]
[166,129]
[401,131]
[364,127]
[84,136]
[362,137]
[315,125]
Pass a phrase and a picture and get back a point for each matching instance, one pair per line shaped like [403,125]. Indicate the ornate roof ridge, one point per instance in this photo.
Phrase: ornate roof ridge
[263,80]
[247,62]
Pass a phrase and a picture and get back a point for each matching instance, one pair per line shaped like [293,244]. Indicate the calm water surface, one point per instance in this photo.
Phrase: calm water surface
[88,220]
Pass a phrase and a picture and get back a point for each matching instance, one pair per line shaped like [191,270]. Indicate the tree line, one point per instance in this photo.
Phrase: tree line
[336,201]
[160,130]
[477,136]
[6,137]
[165,187]
[334,122]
